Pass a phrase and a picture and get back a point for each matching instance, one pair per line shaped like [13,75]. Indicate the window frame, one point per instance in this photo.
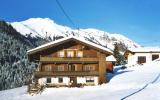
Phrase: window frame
[153,56]
[89,68]
[89,79]
[48,79]
[60,68]
[48,68]
[60,53]
[60,80]
[68,53]
[141,59]
[79,55]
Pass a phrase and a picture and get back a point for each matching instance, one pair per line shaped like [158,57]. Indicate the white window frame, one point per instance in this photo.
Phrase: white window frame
[79,54]
[48,68]
[89,68]
[70,53]
[60,68]
[61,54]
[90,80]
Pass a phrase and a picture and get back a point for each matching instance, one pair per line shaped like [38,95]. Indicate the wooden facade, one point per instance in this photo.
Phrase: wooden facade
[73,60]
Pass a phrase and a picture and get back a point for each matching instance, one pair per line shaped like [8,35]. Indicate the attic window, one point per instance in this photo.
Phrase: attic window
[61,54]
[79,54]
[70,54]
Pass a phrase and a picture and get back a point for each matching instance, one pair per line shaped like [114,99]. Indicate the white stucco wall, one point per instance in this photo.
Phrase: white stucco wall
[132,60]
[54,80]
[83,80]
[66,80]
[42,81]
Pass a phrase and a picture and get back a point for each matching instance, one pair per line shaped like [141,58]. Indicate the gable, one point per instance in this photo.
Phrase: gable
[71,43]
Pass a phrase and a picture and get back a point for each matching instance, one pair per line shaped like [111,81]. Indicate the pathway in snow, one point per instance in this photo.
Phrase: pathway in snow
[155,80]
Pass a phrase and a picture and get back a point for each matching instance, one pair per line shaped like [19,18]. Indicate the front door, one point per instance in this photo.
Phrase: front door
[73,81]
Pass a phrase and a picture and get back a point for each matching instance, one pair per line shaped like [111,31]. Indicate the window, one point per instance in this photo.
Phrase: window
[70,54]
[90,79]
[154,57]
[79,54]
[61,54]
[60,80]
[60,68]
[48,68]
[141,59]
[48,80]
[89,68]
[71,67]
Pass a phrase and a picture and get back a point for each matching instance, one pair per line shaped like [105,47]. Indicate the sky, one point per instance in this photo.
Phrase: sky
[138,20]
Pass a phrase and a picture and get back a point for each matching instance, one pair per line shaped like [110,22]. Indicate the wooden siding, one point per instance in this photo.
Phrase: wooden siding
[66,73]
[69,59]
[78,67]
[71,45]
[109,66]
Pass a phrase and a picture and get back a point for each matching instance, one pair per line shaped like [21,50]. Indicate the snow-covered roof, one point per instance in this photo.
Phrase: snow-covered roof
[110,58]
[145,49]
[48,45]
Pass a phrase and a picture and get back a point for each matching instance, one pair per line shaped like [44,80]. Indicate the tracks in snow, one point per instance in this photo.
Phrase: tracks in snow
[152,82]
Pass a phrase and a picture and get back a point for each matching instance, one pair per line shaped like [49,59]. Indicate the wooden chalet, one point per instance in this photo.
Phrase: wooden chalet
[70,61]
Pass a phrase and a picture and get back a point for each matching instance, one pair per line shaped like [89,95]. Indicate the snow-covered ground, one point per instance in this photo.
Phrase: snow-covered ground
[134,83]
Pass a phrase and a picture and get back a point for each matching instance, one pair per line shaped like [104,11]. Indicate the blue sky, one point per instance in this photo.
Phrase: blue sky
[138,20]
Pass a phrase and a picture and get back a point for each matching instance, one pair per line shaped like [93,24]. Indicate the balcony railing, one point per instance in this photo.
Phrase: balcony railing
[67,59]
[66,73]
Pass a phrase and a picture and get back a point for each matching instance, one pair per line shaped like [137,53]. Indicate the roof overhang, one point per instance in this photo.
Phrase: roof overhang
[66,39]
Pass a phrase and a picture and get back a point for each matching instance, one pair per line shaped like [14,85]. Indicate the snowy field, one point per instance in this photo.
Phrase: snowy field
[134,83]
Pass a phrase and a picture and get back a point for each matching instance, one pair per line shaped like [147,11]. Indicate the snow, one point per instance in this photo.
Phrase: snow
[125,40]
[39,27]
[141,82]
[45,28]
[145,49]
[110,58]
[70,37]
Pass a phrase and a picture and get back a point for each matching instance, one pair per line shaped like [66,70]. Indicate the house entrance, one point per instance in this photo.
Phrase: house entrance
[73,81]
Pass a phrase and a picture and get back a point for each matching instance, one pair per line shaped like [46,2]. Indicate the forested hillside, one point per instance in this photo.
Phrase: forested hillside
[15,70]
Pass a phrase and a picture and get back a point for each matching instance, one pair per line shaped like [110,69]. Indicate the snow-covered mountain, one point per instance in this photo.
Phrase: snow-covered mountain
[48,29]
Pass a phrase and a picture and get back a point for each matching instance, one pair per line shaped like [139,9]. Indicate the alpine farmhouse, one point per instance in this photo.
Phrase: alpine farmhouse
[70,61]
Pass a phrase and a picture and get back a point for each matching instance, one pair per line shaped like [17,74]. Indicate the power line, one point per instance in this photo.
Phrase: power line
[67,16]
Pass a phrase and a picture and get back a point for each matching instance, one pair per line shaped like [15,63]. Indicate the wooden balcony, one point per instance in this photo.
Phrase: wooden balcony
[68,59]
[66,73]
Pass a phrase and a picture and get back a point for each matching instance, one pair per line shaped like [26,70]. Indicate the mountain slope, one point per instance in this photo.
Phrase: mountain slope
[47,29]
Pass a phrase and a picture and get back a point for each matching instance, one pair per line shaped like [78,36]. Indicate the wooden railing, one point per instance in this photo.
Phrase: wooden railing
[66,73]
[67,59]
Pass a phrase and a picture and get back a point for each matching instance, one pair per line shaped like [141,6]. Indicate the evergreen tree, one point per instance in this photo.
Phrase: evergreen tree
[119,57]
[15,70]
